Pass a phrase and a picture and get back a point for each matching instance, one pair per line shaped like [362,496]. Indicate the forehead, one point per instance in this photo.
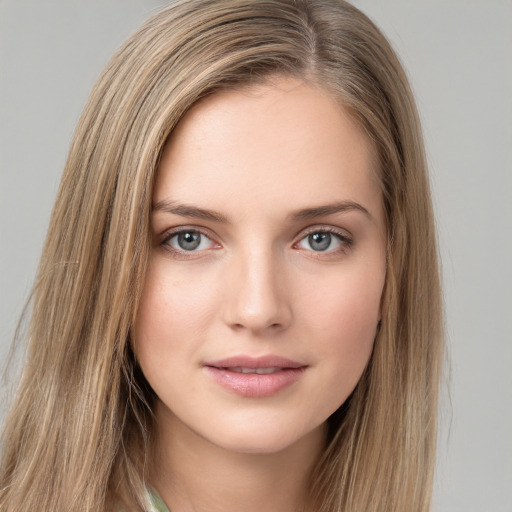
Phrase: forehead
[277,141]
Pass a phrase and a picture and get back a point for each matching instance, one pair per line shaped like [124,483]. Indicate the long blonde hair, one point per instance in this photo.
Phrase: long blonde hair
[77,434]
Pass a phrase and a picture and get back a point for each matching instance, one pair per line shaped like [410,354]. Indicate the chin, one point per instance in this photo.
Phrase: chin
[265,439]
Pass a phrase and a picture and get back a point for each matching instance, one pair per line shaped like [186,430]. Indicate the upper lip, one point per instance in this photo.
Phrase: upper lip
[269,361]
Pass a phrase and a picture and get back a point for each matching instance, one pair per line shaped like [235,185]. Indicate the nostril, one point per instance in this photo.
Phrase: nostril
[276,326]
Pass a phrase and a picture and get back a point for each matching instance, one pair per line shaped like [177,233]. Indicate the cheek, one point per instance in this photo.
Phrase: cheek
[169,313]
[172,306]
[347,306]
[343,320]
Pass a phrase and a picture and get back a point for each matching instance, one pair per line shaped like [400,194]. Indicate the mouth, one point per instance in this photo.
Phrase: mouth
[259,371]
[255,377]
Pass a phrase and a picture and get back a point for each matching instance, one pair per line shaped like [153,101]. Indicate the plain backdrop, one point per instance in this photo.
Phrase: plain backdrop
[458,54]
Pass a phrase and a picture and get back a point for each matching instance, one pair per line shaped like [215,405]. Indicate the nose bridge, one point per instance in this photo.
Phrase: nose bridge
[257,293]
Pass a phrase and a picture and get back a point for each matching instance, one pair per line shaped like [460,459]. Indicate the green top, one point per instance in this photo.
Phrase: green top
[156,503]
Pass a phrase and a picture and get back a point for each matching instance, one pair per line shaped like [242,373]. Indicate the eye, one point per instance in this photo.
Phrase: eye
[324,240]
[188,240]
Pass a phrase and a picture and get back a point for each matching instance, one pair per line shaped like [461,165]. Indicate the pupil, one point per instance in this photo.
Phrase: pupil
[320,241]
[189,241]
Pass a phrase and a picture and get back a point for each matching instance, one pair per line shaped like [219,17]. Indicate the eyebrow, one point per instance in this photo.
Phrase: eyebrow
[329,209]
[186,210]
[195,212]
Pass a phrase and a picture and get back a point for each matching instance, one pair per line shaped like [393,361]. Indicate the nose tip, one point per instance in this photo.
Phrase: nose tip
[258,301]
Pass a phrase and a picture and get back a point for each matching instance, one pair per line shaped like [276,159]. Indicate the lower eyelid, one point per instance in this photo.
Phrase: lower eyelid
[169,235]
[345,240]
[344,243]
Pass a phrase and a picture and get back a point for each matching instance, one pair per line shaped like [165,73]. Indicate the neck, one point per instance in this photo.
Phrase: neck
[191,474]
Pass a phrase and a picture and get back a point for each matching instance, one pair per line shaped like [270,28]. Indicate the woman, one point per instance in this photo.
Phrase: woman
[238,302]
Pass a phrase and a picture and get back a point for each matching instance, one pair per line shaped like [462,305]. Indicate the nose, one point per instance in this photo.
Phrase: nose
[258,298]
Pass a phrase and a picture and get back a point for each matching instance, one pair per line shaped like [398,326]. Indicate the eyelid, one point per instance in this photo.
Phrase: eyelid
[325,228]
[345,237]
[172,232]
[169,232]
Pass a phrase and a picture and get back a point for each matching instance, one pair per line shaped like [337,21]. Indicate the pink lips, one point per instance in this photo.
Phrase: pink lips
[255,377]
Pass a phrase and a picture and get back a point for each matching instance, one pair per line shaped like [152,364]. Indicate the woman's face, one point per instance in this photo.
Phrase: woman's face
[263,292]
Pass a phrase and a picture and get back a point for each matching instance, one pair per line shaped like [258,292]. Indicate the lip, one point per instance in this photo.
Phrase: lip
[227,373]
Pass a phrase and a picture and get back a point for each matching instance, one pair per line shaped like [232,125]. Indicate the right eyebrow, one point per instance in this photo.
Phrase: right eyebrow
[187,210]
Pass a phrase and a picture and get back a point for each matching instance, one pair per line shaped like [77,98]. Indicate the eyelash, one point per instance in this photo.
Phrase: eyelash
[184,254]
[344,239]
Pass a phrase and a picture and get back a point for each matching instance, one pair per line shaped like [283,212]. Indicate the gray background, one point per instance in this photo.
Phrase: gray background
[459,56]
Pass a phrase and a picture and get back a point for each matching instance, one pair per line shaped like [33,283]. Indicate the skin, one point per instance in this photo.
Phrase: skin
[257,285]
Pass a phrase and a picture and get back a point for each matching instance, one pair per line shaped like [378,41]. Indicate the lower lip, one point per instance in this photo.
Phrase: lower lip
[254,385]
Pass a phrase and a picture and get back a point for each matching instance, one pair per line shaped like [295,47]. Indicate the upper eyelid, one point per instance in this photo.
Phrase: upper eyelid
[170,232]
[346,240]
[336,230]
[164,242]
[344,233]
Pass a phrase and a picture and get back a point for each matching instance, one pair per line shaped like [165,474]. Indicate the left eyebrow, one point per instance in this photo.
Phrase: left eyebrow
[329,209]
